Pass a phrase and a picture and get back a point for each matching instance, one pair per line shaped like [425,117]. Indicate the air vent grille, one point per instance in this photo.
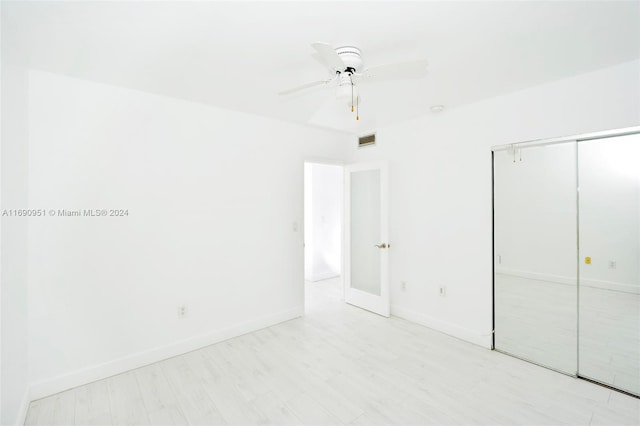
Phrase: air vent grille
[367,140]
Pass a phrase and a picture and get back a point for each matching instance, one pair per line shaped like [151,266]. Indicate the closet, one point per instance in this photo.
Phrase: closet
[567,255]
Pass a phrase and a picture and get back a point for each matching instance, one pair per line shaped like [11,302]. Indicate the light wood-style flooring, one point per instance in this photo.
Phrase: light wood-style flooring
[339,365]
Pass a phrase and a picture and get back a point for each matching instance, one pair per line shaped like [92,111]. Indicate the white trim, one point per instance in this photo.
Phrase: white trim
[559,279]
[466,334]
[325,275]
[24,407]
[323,161]
[101,371]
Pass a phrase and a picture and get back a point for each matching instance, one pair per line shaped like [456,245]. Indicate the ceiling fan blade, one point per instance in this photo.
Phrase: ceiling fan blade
[397,71]
[305,86]
[328,56]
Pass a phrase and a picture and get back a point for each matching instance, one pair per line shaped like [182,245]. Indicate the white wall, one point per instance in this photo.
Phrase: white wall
[13,278]
[1,399]
[308,223]
[215,203]
[440,188]
[323,221]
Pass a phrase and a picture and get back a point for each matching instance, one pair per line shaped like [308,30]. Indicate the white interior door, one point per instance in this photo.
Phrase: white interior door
[366,237]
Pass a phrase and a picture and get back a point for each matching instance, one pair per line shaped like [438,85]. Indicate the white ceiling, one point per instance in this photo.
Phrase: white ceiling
[239,55]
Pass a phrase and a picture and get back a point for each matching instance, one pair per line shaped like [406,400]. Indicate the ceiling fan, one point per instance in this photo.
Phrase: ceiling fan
[345,66]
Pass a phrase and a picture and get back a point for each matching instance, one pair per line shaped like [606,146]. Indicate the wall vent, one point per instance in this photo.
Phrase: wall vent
[367,140]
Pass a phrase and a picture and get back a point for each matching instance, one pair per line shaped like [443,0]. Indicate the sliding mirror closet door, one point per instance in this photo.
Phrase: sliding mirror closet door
[609,297]
[535,238]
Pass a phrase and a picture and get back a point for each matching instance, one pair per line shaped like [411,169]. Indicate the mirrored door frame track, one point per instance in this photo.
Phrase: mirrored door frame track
[533,143]
[574,138]
[576,376]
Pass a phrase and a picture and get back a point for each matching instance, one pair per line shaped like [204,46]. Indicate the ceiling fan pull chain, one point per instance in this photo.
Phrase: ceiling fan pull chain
[357,109]
[351,97]
[351,79]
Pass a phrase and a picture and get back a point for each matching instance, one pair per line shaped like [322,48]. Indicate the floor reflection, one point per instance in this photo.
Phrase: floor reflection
[609,337]
[538,321]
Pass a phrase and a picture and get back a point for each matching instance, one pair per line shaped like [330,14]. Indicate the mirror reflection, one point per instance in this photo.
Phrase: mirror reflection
[535,248]
[609,297]
[567,266]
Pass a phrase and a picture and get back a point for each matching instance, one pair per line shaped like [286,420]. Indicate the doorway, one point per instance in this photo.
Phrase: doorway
[323,232]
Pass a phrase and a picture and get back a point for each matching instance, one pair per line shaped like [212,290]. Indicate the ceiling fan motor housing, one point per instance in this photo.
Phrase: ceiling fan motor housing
[347,91]
[350,55]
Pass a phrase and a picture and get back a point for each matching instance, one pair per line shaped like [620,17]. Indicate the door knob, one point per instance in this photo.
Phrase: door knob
[381,246]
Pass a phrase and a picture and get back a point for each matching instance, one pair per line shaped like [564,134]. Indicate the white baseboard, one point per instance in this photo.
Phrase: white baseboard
[325,275]
[468,335]
[101,371]
[559,279]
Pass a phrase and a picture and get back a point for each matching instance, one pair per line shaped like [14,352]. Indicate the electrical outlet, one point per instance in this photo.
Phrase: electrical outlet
[182,311]
[442,291]
[403,285]
[612,264]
